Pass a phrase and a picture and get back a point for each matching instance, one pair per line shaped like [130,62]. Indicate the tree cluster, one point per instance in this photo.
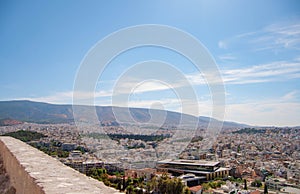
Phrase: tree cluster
[25,136]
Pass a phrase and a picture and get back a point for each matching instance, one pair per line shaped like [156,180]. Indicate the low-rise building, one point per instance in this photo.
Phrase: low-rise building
[196,189]
[146,173]
[84,166]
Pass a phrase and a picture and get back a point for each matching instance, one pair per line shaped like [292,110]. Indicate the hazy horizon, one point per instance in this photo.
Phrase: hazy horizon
[255,46]
[70,104]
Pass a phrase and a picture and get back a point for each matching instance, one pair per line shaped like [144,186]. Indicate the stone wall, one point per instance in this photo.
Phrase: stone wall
[33,172]
[5,186]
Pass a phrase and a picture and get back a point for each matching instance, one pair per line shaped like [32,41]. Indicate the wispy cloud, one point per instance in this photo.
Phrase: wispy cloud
[188,106]
[284,35]
[275,71]
[169,103]
[276,37]
[135,86]
[290,96]
[271,72]
[127,88]
[227,57]
[67,97]
[282,111]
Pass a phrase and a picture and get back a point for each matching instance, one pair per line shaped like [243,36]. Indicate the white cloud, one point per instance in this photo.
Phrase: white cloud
[275,71]
[275,37]
[285,36]
[132,85]
[67,97]
[188,106]
[227,57]
[283,111]
[166,103]
[150,86]
[290,96]
[59,98]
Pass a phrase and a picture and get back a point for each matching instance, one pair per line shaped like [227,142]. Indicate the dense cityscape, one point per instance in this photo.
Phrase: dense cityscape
[246,160]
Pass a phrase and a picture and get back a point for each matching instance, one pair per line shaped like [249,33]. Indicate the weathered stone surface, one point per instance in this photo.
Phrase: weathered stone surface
[32,171]
[5,186]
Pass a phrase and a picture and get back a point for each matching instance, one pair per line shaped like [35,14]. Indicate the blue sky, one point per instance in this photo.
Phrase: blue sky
[256,45]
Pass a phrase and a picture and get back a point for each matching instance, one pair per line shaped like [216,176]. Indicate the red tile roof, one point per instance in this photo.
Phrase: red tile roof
[195,188]
[255,192]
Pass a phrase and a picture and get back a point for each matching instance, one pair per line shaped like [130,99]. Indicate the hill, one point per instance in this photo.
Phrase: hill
[8,122]
[39,112]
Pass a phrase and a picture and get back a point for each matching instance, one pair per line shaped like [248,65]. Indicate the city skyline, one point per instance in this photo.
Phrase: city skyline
[255,45]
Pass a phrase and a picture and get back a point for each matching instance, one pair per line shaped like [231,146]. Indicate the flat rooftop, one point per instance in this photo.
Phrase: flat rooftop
[198,171]
[190,162]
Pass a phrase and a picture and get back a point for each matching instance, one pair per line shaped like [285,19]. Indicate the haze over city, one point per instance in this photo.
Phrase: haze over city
[255,45]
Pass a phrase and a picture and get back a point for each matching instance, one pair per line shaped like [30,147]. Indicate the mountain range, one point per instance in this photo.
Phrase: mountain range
[40,112]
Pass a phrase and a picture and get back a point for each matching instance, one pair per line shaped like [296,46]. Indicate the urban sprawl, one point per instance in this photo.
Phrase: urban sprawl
[149,160]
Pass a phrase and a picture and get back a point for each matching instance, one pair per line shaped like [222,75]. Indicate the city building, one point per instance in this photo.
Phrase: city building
[84,166]
[146,173]
[196,189]
[191,180]
[202,168]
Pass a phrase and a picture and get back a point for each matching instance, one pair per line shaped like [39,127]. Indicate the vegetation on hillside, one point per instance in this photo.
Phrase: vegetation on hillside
[31,137]
[250,131]
[25,136]
[53,149]
[138,137]
[128,136]
[196,139]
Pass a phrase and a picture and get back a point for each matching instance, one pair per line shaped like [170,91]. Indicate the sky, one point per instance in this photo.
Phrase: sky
[255,44]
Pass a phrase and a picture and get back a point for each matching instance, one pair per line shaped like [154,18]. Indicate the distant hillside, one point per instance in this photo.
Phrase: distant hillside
[38,112]
[9,122]
[25,136]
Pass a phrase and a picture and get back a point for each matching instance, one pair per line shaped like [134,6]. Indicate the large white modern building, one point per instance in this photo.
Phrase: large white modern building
[208,169]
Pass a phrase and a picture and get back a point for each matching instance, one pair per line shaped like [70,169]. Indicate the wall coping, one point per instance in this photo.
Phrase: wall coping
[32,171]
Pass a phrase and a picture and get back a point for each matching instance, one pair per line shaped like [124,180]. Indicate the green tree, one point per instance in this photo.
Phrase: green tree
[266,189]
[123,183]
[162,184]
[186,190]
[129,189]
[152,185]
[167,185]
[175,186]
[256,183]
[245,184]
[119,186]
[205,186]
[212,185]
[128,181]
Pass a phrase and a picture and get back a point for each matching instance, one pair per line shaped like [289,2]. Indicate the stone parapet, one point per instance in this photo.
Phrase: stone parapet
[33,172]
